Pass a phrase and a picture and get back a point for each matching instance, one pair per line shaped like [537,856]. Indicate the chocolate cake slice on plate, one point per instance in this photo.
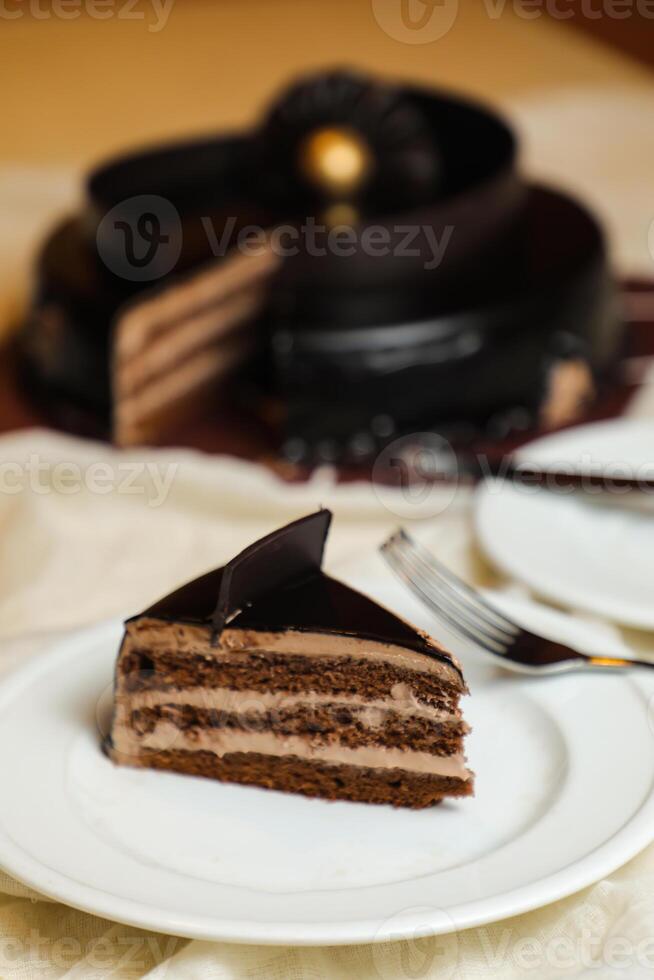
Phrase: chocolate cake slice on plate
[269,672]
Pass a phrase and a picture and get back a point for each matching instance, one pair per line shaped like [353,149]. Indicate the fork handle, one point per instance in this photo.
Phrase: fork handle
[618,662]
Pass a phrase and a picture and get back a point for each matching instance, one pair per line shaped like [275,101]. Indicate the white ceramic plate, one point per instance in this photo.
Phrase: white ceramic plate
[582,552]
[565,771]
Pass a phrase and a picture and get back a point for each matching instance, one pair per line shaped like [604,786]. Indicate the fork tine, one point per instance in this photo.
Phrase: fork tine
[489,612]
[445,599]
[443,613]
[461,604]
[399,565]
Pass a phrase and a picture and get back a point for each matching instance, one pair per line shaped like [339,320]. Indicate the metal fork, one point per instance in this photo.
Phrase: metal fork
[470,615]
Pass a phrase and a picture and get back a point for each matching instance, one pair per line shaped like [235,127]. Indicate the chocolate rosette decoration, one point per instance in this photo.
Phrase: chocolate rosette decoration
[341,141]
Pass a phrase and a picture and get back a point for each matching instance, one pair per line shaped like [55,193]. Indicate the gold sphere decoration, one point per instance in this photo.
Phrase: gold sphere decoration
[336,160]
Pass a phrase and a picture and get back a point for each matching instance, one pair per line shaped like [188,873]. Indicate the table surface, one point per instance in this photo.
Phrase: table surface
[76,89]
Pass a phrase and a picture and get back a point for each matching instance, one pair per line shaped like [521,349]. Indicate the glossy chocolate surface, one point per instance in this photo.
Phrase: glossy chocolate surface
[277,584]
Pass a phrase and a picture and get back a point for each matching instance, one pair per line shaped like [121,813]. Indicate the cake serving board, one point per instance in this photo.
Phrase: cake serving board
[564,795]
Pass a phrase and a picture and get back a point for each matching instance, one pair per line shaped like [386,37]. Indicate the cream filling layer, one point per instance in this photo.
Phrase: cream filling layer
[167,737]
[199,369]
[371,712]
[157,636]
[204,290]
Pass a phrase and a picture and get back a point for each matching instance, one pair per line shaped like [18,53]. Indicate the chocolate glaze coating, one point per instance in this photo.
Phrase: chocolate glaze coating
[277,584]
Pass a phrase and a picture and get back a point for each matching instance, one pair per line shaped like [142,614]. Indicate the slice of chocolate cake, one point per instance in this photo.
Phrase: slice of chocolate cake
[269,672]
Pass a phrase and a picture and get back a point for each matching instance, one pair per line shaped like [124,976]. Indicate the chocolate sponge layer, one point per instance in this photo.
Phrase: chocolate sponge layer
[264,671]
[337,715]
[325,724]
[292,774]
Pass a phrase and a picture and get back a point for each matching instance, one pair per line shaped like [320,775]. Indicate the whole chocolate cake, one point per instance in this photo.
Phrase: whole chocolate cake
[368,260]
[269,672]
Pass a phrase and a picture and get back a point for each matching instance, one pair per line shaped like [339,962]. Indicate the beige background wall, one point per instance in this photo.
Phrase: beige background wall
[73,90]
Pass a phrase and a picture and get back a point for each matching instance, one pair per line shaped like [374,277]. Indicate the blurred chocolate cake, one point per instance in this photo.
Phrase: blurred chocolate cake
[368,259]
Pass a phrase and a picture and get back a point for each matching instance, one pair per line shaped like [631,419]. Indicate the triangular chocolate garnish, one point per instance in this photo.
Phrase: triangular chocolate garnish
[283,558]
[277,583]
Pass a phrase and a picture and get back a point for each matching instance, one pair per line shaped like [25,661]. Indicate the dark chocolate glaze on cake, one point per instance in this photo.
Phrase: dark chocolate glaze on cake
[277,584]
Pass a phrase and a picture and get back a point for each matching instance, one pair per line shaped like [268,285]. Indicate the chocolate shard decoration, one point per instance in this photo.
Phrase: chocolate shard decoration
[283,558]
